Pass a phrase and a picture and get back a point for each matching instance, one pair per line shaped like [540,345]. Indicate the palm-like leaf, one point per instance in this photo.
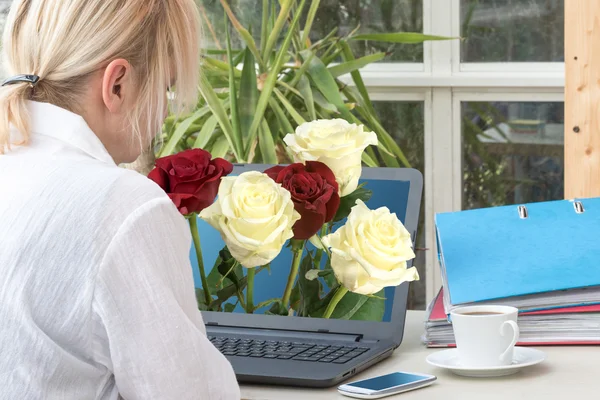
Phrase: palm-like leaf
[285,80]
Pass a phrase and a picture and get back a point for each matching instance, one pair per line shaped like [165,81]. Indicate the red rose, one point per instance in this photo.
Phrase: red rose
[314,192]
[190,178]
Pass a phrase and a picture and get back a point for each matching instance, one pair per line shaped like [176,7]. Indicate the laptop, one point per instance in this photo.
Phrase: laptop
[303,351]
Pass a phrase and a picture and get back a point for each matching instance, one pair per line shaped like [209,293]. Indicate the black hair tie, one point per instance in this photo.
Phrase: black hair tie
[31,79]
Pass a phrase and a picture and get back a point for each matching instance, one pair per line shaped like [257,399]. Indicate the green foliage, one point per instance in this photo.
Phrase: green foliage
[347,202]
[251,99]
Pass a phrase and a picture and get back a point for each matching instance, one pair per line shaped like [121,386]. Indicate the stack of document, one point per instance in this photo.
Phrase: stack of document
[542,258]
[560,326]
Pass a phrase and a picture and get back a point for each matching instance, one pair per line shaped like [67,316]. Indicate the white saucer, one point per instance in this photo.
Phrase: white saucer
[522,357]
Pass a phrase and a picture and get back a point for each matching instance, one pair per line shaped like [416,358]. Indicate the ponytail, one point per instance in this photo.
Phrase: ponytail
[14,114]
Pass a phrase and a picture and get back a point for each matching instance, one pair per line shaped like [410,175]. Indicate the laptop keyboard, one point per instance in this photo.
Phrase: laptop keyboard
[286,350]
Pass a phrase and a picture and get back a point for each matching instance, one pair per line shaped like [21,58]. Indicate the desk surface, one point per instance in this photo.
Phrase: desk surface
[567,373]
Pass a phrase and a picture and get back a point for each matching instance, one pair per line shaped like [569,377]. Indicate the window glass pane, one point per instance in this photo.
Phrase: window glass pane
[512,153]
[373,16]
[404,121]
[512,30]
[370,16]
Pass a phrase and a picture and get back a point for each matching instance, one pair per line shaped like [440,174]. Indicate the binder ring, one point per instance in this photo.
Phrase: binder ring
[523,214]
[578,207]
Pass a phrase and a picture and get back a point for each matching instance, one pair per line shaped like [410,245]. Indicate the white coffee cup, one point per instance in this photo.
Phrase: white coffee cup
[485,335]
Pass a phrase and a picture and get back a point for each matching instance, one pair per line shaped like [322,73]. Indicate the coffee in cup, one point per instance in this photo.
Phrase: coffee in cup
[485,335]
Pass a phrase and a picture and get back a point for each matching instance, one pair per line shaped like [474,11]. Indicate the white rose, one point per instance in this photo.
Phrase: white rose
[371,250]
[336,143]
[255,216]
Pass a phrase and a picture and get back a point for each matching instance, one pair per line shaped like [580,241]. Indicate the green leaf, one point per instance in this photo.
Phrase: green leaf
[284,12]
[349,201]
[243,32]
[231,290]
[309,290]
[235,118]
[400,37]
[219,112]
[220,148]
[214,276]
[312,13]
[300,72]
[277,309]
[248,93]
[286,126]
[290,108]
[349,305]
[368,160]
[200,299]
[267,303]
[181,130]
[319,307]
[266,144]
[229,308]
[326,83]
[272,77]
[372,310]
[307,94]
[220,66]
[357,78]
[264,26]
[288,88]
[295,297]
[205,133]
[322,102]
[353,65]
[330,279]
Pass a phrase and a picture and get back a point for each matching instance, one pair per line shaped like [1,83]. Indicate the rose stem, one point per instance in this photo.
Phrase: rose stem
[297,249]
[339,294]
[194,228]
[319,254]
[250,291]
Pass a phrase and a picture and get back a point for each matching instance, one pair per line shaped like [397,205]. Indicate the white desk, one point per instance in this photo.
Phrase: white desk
[568,373]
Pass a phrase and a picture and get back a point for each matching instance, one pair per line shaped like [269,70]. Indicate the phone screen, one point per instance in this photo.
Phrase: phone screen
[388,381]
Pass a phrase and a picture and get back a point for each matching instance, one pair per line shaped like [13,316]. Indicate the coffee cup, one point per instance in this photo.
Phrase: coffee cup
[485,335]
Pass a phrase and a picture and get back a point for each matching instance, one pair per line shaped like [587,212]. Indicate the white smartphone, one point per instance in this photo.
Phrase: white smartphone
[385,385]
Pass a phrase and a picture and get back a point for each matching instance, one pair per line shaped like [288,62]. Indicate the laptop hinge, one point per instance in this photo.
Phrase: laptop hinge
[321,334]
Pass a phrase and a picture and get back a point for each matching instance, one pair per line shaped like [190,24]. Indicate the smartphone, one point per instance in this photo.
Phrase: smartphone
[385,385]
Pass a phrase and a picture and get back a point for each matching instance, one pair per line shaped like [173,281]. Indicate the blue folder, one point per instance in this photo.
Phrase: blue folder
[522,250]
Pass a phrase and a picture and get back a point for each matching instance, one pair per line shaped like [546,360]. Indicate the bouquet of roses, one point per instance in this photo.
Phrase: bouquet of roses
[342,273]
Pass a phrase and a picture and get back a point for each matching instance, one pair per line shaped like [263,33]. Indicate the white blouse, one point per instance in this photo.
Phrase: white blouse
[96,290]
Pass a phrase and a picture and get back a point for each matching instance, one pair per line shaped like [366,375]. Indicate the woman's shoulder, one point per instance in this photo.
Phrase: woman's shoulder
[130,189]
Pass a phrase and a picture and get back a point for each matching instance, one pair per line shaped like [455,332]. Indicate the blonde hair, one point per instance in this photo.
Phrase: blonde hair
[65,41]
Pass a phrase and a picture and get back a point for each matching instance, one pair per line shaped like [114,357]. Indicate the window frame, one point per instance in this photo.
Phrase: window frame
[442,82]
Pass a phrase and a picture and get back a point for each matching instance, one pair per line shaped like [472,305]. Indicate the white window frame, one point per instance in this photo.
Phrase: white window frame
[442,82]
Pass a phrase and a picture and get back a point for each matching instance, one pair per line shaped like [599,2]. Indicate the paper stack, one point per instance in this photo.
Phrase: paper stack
[542,258]
[561,326]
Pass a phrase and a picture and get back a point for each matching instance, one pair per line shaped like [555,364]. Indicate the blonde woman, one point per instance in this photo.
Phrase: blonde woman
[96,291]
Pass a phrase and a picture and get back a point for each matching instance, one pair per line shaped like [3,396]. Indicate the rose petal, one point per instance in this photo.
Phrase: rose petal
[310,222]
[159,176]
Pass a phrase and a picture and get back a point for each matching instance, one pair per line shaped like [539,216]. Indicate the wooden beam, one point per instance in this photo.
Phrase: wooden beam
[582,98]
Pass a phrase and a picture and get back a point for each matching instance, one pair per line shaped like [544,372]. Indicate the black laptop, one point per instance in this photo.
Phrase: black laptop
[314,352]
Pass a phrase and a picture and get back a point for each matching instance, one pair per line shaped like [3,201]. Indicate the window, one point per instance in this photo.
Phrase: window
[405,122]
[512,30]
[512,153]
[370,16]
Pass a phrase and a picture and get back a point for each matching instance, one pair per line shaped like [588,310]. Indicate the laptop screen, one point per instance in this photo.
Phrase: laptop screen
[270,283]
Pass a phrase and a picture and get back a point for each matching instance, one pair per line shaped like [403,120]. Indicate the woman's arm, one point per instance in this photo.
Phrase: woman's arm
[145,301]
